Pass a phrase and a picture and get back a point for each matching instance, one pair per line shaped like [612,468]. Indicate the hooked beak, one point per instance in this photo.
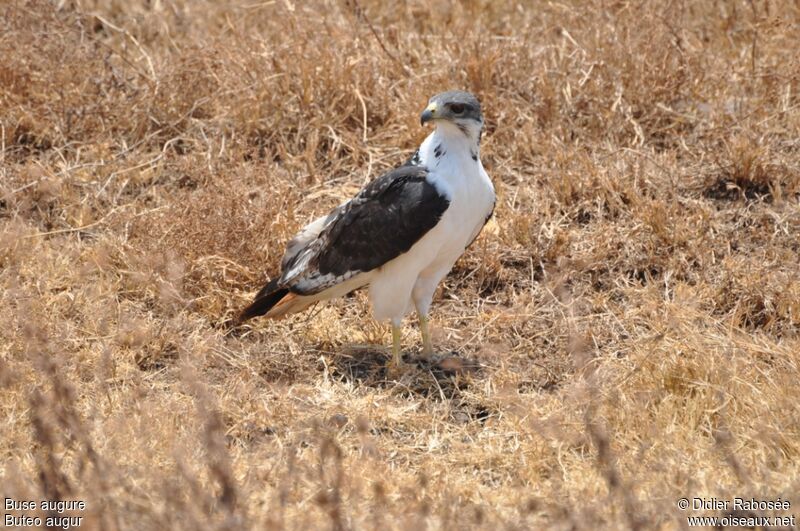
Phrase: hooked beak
[428,114]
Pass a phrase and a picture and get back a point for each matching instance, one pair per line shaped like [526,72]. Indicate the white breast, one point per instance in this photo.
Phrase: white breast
[464,181]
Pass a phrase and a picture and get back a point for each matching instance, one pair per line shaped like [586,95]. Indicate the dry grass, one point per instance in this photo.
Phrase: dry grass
[628,332]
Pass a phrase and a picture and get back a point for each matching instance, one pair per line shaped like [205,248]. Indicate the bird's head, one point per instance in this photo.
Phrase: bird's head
[455,109]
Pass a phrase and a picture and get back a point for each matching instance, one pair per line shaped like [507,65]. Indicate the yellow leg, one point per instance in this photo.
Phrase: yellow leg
[427,346]
[397,357]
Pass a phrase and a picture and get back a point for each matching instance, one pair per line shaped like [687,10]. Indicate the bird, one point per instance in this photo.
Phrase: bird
[400,235]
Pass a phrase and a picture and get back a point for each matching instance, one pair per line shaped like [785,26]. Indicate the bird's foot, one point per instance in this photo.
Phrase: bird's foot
[427,355]
[396,367]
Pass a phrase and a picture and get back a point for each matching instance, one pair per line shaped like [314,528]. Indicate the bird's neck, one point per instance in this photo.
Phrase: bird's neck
[453,140]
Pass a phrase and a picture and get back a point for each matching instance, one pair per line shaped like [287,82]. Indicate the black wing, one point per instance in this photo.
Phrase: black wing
[379,224]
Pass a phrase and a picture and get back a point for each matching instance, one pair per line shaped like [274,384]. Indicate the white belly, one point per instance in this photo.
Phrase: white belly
[471,201]
[461,222]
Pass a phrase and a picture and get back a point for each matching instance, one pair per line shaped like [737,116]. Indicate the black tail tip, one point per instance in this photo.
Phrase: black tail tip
[265,299]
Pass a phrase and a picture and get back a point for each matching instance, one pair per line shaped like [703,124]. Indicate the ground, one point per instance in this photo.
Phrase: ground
[624,333]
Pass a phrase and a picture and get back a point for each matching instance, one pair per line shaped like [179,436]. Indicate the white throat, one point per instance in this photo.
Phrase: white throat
[449,140]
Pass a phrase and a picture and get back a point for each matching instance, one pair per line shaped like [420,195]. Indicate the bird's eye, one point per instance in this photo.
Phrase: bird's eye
[458,108]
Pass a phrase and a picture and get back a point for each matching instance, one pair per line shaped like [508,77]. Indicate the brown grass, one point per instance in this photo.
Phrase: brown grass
[626,333]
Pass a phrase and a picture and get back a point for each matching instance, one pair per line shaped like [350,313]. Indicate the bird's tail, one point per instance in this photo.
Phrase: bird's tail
[265,300]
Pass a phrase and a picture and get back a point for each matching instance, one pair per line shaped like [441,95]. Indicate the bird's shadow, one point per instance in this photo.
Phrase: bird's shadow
[442,376]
